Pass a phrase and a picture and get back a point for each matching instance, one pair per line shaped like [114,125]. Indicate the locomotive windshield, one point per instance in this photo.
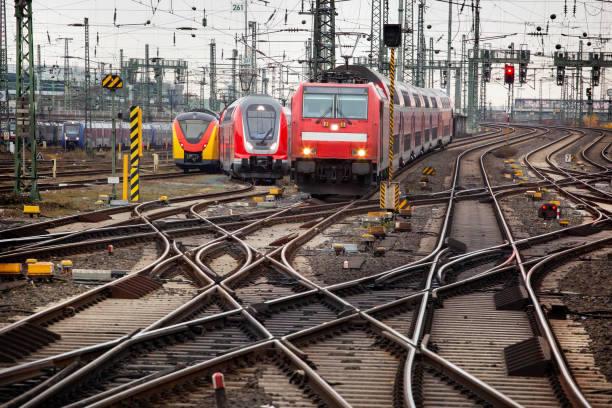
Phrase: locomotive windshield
[193,129]
[261,119]
[335,102]
[73,130]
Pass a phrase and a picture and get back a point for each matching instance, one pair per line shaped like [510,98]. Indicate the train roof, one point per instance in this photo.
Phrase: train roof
[197,115]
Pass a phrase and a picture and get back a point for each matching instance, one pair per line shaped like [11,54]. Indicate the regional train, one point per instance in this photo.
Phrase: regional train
[254,139]
[99,135]
[340,133]
[195,141]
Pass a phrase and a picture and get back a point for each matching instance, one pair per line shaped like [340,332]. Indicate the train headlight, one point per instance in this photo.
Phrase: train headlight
[273,146]
[307,151]
[249,145]
[334,126]
[77,138]
[361,152]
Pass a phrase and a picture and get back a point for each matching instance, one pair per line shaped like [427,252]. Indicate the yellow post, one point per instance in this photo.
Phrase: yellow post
[126,164]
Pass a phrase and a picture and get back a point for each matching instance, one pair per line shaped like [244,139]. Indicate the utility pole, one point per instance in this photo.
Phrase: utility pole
[448,47]
[420,71]
[66,72]
[431,62]
[324,36]
[4,92]
[473,72]
[212,101]
[147,103]
[540,104]
[407,47]
[382,53]
[24,95]
[38,71]
[253,26]
[87,82]
[580,85]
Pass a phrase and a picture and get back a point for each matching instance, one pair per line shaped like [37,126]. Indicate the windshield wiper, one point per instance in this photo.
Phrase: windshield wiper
[325,114]
[342,115]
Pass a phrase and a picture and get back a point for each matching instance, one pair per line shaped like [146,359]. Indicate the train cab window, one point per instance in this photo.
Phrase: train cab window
[352,106]
[417,100]
[193,129]
[261,121]
[417,138]
[335,102]
[227,116]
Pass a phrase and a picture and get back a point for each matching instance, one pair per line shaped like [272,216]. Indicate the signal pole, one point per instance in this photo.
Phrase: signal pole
[212,101]
[448,47]
[4,93]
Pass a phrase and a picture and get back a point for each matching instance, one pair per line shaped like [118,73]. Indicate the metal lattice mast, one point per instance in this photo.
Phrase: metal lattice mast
[408,42]
[234,90]
[253,27]
[483,100]
[212,102]
[448,47]
[431,63]
[146,80]
[264,81]
[24,95]
[324,36]
[580,85]
[382,50]
[66,72]
[420,69]
[202,83]
[375,38]
[473,71]
[4,94]
[87,80]
[38,70]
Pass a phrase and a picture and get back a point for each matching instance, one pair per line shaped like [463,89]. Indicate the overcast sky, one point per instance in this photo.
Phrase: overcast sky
[169,18]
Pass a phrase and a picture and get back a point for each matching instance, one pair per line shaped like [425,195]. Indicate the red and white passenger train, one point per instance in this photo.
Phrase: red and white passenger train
[340,134]
[254,138]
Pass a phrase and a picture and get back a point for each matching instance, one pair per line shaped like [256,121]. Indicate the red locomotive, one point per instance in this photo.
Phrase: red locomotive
[340,134]
[253,141]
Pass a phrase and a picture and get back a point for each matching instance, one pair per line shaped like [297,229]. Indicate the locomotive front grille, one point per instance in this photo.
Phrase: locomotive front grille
[193,157]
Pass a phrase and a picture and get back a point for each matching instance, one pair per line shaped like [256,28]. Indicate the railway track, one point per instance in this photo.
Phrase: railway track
[287,339]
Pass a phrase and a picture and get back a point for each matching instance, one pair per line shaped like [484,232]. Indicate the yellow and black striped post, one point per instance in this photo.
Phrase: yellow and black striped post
[391,108]
[135,141]
[387,187]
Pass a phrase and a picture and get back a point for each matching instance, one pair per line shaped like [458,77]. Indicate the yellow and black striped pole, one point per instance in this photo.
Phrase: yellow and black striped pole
[135,132]
[384,203]
[391,107]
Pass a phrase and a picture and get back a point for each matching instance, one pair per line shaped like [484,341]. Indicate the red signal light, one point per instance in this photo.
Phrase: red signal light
[554,208]
[543,207]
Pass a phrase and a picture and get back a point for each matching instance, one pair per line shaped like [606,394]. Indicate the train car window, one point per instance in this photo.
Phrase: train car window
[406,141]
[406,98]
[434,102]
[352,106]
[426,135]
[396,145]
[261,120]
[446,130]
[417,138]
[426,99]
[434,132]
[417,100]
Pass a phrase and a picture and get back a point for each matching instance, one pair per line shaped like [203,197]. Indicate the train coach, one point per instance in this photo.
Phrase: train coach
[340,133]
[254,139]
[195,142]
[73,135]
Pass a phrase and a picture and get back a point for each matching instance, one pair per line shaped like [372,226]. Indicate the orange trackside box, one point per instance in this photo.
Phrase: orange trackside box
[10,268]
[40,268]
